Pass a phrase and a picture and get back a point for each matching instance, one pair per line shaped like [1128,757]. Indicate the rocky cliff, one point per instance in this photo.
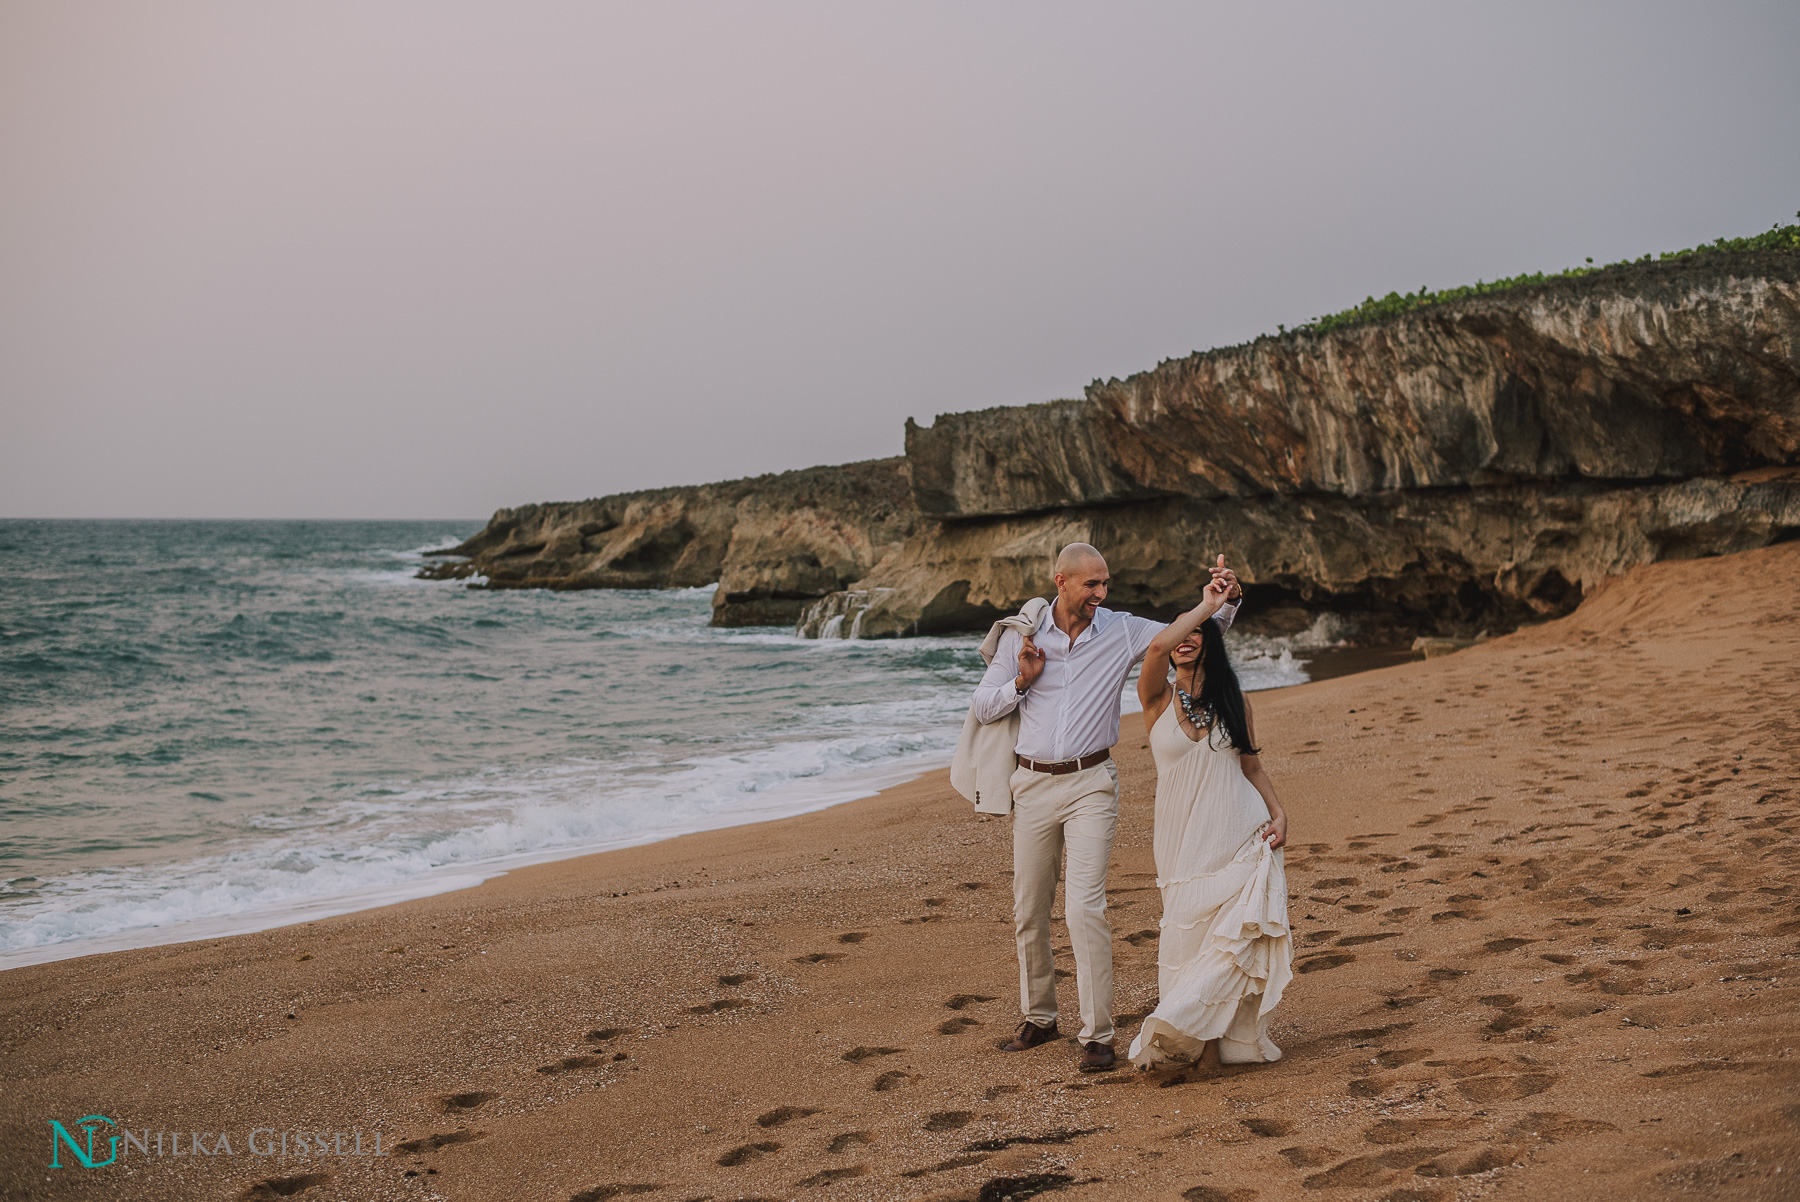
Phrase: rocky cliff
[1652,372]
[774,543]
[1473,464]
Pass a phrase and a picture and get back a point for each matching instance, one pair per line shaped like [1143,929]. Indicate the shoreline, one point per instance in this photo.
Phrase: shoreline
[446,878]
[452,877]
[1546,943]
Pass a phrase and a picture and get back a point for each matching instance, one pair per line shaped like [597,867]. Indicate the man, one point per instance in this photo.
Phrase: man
[1064,679]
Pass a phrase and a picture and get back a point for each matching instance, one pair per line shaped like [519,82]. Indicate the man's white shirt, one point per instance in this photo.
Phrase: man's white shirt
[1072,709]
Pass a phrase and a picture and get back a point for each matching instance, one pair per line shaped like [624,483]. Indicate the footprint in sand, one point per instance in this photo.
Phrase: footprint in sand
[1501,946]
[606,1193]
[472,1100]
[1492,1157]
[1321,963]
[602,1034]
[949,1120]
[281,1187]
[853,936]
[892,1080]
[431,1143]
[1366,1171]
[1399,1057]
[956,1162]
[963,1001]
[848,1140]
[820,958]
[569,1064]
[715,1007]
[1213,1193]
[827,1176]
[1140,938]
[745,1153]
[1504,1088]
[1267,1128]
[785,1114]
[956,1026]
[1309,1158]
[855,1055]
[999,1091]
[1062,1135]
[733,980]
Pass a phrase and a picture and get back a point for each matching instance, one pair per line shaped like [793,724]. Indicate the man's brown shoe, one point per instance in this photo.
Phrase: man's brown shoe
[1030,1036]
[1097,1059]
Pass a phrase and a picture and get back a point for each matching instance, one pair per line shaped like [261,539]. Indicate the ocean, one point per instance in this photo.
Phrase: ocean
[210,727]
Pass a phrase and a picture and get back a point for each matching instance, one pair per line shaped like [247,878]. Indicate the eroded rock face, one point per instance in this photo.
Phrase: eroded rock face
[774,543]
[1471,465]
[1474,464]
[1448,562]
[1652,372]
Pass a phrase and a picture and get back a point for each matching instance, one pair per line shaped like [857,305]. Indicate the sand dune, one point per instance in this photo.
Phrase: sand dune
[1547,889]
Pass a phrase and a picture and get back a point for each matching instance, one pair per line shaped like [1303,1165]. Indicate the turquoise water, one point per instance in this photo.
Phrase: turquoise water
[211,726]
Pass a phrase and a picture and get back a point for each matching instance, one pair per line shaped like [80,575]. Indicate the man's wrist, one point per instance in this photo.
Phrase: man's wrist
[1020,685]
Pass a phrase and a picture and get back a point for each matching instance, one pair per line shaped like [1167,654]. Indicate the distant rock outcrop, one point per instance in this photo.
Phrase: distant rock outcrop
[774,543]
[1473,464]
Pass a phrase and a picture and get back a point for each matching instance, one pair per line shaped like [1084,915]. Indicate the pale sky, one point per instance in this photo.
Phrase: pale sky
[382,259]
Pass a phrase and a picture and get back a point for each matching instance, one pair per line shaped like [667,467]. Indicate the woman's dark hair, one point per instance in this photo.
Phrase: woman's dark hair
[1220,691]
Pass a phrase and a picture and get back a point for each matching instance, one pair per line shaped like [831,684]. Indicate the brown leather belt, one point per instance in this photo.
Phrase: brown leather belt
[1064,767]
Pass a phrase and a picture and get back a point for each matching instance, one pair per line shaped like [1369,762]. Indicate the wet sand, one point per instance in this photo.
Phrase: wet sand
[1550,949]
[1334,662]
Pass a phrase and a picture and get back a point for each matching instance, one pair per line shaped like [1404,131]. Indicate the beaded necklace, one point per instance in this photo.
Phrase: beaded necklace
[1200,716]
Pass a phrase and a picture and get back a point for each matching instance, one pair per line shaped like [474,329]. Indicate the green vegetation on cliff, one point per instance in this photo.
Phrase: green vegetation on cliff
[1778,237]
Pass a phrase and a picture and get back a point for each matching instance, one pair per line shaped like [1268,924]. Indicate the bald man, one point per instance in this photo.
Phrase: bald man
[1064,679]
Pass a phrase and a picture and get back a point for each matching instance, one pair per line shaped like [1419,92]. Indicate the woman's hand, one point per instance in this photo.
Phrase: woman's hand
[1276,833]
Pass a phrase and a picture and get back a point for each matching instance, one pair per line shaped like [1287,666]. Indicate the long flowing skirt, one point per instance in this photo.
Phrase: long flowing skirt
[1225,955]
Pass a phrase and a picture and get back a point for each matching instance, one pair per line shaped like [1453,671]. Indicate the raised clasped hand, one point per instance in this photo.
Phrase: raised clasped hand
[1031,662]
[1221,572]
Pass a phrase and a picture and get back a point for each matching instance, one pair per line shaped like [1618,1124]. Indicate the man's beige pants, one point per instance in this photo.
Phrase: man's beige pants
[1074,815]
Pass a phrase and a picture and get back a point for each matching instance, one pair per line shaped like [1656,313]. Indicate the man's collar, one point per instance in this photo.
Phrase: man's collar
[1103,618]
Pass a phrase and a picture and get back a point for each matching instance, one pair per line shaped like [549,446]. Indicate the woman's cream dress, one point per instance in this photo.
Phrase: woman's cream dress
[1224,956]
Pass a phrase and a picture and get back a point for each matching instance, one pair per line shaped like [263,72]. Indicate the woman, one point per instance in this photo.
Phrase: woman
[1224,956]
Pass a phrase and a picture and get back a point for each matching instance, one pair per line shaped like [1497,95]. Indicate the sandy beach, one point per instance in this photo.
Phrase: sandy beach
[1547,891]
